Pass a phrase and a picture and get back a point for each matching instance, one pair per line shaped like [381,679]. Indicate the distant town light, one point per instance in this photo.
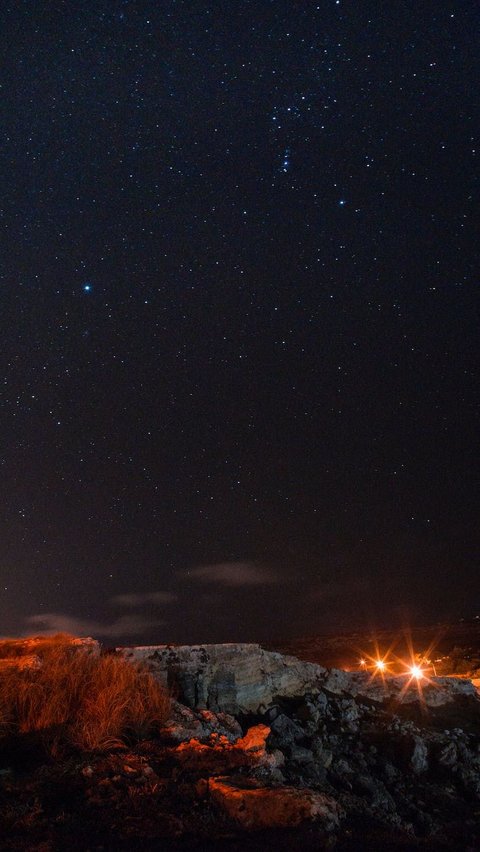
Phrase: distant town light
[416,672]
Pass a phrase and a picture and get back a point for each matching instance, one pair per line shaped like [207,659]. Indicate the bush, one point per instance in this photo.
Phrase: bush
[77,699]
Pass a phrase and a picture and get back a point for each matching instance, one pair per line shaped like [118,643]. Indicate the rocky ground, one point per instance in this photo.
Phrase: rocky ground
[341,764]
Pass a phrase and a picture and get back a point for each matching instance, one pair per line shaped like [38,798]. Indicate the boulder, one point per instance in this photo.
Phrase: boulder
[419,758]
[254,807]
[285,731]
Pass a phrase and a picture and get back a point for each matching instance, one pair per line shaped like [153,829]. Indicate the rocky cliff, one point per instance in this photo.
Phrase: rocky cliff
[245,678]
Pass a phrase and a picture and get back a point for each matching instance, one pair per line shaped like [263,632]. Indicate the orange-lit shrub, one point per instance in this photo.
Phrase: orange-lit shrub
[79,699]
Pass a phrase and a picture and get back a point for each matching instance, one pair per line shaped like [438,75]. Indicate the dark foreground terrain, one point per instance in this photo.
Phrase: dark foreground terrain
[136,800]
[382,778]
[343,765]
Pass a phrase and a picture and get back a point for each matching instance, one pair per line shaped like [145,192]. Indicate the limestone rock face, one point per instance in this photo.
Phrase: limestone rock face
[230,678]
[256,807]
[245,678]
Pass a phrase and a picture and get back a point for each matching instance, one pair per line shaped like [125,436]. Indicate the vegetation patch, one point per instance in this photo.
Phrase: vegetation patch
[70,697]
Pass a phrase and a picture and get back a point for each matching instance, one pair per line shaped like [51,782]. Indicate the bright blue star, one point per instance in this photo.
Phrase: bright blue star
[342,202]
[286,160]
[87,287]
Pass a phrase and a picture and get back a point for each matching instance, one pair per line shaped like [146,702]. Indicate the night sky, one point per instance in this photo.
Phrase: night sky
[239,316]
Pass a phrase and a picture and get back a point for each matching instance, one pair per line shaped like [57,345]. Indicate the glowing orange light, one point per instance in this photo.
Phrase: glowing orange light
[416,672]
[363,662]
[380,665]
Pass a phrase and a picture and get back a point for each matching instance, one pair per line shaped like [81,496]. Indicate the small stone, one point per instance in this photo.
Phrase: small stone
[325,759]
[418,760]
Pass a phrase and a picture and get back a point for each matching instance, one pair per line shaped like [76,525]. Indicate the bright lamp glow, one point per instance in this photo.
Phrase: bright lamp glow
[416,671]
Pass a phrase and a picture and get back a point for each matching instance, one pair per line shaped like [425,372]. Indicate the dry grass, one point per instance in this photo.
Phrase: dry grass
[75,698]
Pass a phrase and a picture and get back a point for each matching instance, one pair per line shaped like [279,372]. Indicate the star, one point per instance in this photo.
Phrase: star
[286,160]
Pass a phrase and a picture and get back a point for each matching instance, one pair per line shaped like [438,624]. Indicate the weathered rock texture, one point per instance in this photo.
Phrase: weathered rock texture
[219,755]
[254,807]
[233,678]
[244,678]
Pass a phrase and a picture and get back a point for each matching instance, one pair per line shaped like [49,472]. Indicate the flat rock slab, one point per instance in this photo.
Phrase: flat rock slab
[254,808]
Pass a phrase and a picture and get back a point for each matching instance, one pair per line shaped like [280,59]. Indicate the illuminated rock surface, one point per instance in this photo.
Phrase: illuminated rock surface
[254,807]
[220,755]
[184,724]
[244,678]
[234,678]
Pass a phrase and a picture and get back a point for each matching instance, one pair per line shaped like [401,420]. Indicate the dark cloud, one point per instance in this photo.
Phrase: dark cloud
[234,574]
[134,600]
[126,625]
